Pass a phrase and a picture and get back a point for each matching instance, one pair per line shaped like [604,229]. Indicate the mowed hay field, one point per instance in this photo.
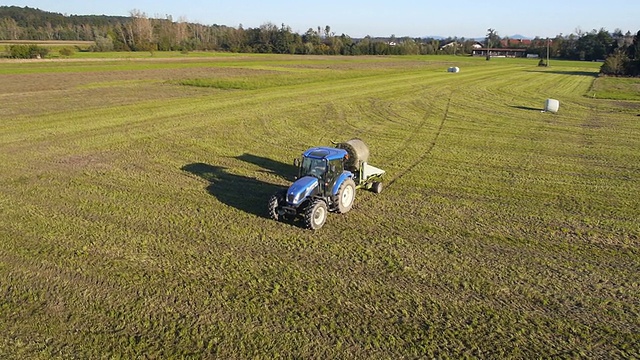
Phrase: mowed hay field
[133,215]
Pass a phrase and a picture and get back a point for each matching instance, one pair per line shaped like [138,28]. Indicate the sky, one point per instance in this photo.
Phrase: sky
[377,18]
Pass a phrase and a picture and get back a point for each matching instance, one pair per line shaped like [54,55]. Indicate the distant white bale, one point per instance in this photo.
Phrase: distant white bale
[552,105]
[453,69]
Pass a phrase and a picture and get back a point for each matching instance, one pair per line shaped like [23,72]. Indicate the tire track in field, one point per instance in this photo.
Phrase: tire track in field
[375,111]
[414,133]
[331,112]
[431,146]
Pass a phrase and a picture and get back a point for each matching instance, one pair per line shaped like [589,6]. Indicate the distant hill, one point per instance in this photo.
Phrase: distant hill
[519,37]
[514,37]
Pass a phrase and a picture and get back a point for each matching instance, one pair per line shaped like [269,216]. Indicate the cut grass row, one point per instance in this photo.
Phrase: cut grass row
[506,232]
[616,89]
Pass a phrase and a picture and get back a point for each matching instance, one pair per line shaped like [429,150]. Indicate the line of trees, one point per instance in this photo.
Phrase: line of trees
[620,52]
[139,32]
[624,60]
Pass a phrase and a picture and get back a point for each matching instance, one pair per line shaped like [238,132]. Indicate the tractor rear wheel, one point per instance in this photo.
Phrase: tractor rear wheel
[274,202]
[346,195]
[316,215]
[376,187]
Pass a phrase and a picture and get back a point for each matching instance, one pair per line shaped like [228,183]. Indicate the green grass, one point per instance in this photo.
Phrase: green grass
[133,212]
[616,88]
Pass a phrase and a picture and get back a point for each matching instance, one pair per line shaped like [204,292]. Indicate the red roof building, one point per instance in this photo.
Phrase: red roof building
[515,43]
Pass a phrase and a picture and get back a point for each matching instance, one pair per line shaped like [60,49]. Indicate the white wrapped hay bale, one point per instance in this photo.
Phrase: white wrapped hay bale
[453,69]
[552,105]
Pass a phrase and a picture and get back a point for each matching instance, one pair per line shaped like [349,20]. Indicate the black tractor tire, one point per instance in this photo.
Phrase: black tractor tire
[376,187]
[274,203]
[316,215]
[346,195]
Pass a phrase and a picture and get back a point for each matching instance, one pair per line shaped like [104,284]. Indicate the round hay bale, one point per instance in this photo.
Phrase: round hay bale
[358,153]
[552,105]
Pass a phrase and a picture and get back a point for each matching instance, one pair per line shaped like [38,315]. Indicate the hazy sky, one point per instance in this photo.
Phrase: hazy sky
[358,18]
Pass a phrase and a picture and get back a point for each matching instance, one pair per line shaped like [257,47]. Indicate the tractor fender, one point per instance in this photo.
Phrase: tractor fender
[341,178]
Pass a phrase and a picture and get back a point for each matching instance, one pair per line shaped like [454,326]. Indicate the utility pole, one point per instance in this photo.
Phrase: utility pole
[548,40]
[490,33]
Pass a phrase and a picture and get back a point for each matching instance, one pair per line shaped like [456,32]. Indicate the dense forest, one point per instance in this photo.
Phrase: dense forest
[138,32]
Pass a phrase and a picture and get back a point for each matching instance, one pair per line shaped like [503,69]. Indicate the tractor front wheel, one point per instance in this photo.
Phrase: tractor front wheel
[315,215]
[274,202]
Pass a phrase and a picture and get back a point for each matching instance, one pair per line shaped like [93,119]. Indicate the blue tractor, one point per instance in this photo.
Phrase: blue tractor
[327,181]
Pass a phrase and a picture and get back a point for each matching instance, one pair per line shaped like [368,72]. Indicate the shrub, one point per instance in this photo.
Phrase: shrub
[633,68]
[102,44]
[66,51]
[615,64]
[27,51]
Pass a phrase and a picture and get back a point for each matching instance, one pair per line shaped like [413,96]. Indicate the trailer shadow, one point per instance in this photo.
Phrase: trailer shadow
[241,192]
[285,171]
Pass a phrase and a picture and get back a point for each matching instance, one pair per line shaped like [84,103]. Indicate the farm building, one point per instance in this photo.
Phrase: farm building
[451,44]
[500,52]
[515,43]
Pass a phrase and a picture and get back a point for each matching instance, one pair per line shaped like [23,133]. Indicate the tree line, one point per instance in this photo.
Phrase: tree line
[139,32]
[619,52]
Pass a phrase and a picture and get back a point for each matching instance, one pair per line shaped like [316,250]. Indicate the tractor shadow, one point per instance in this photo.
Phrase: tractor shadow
[241,192]
[285,171]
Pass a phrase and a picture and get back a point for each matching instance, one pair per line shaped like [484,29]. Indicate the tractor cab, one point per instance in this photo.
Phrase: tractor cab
[324,164]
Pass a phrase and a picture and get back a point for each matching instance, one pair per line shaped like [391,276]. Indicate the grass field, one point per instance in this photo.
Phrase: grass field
[133,210]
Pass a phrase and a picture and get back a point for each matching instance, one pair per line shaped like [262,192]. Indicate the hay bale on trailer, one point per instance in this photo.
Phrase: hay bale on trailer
[552,105]
[358,153]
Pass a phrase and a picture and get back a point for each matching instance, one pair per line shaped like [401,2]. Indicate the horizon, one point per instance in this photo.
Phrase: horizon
[374,18]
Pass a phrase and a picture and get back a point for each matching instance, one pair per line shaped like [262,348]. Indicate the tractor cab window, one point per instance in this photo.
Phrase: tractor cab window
[313,167]
[336,168]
